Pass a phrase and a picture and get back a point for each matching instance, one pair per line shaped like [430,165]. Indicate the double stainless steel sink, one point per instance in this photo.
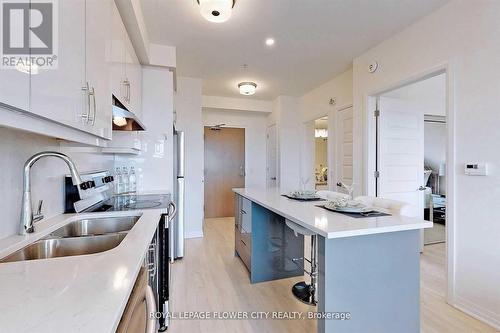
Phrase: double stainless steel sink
[80,237]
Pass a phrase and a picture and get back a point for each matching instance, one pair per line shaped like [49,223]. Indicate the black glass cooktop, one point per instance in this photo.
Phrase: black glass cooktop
[133,202]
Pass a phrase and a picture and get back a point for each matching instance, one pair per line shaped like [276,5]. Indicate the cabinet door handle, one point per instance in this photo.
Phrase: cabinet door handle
[94,106]
[126,83]
[241,240]
[86,116]
[243,212]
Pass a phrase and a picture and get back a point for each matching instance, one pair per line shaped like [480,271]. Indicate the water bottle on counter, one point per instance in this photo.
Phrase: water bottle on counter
[132,181]
[119,181]
[125,186]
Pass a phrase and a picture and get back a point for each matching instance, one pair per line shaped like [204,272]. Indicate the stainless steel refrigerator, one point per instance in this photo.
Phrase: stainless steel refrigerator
[179,194]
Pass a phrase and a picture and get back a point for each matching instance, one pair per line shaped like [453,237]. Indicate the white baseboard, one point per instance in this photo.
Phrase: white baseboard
[194,234]
[478,312]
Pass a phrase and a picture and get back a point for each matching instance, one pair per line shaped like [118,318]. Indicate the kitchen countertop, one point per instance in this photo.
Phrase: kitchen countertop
[326,223]
[72,294]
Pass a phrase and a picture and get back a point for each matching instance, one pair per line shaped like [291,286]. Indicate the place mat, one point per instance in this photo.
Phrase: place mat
[302,199]
[357,215]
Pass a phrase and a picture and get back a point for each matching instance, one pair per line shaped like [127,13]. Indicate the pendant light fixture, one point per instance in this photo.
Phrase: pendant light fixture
[247,88]
[216,11]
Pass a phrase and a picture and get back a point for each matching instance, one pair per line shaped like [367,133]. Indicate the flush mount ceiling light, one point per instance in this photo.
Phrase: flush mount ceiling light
[216,11]
[270,41]
[321,133]
[247,88]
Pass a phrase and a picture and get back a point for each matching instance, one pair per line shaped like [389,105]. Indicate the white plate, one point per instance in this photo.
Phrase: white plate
[303,196]
[349,209]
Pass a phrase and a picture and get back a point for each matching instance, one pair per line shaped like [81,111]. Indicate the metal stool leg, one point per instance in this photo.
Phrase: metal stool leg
[304,292]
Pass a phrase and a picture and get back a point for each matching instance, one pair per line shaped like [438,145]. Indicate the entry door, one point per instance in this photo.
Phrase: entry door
[401,153]
[344,146]
[224,169]
[272,157]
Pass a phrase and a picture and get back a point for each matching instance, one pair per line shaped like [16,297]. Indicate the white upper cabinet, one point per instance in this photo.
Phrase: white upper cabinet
[98,71]
[95,60]
[15,88]
[133,74]
[117,56]
[56,93]
[14,81]
[126,72]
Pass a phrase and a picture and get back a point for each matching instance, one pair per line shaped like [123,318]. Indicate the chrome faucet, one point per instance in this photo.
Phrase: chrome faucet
[27,217]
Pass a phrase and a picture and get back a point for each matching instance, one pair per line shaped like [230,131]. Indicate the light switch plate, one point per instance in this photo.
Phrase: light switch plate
[476,169]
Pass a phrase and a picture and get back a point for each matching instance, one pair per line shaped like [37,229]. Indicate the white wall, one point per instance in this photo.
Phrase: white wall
[47,177]
[255,124]
[428,94]
[316,104]
[286,116]
[464,35]
[189,120]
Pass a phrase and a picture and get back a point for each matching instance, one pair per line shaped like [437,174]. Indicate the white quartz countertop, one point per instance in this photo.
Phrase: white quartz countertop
[72,294]
[326,223]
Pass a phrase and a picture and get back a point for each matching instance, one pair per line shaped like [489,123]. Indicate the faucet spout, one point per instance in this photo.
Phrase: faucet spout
[27,218]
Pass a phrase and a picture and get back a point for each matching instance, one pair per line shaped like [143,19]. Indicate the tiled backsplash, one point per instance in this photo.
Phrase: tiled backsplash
[46,177]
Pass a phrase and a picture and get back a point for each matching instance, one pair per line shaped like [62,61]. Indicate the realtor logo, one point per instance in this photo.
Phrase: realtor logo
[29,34]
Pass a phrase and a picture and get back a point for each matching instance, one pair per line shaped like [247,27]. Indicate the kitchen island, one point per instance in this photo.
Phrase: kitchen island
[368,268]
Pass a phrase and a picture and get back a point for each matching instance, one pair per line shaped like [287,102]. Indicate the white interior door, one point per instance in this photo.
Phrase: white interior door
[272,156]
[401,153]
[344,146]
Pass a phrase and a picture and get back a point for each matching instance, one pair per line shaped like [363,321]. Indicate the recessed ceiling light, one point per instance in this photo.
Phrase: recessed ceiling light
[270,41]
[216,11]
[247,88]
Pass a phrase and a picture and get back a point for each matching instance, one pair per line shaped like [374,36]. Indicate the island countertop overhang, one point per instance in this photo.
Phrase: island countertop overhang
[325,223]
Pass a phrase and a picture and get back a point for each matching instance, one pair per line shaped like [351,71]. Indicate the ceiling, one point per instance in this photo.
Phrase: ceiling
[315,40]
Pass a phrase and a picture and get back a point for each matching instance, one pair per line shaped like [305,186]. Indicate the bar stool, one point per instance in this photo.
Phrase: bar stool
[304,292]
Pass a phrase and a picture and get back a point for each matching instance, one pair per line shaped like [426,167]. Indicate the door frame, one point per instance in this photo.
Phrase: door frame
[370,101]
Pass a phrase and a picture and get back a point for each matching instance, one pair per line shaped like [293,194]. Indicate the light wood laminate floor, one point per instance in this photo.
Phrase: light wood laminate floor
[210,278]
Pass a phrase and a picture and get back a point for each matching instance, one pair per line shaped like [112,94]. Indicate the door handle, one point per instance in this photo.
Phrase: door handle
[172,211]
[421,188]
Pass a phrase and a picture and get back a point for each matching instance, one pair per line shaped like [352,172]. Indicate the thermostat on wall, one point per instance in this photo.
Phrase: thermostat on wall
[476,169]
